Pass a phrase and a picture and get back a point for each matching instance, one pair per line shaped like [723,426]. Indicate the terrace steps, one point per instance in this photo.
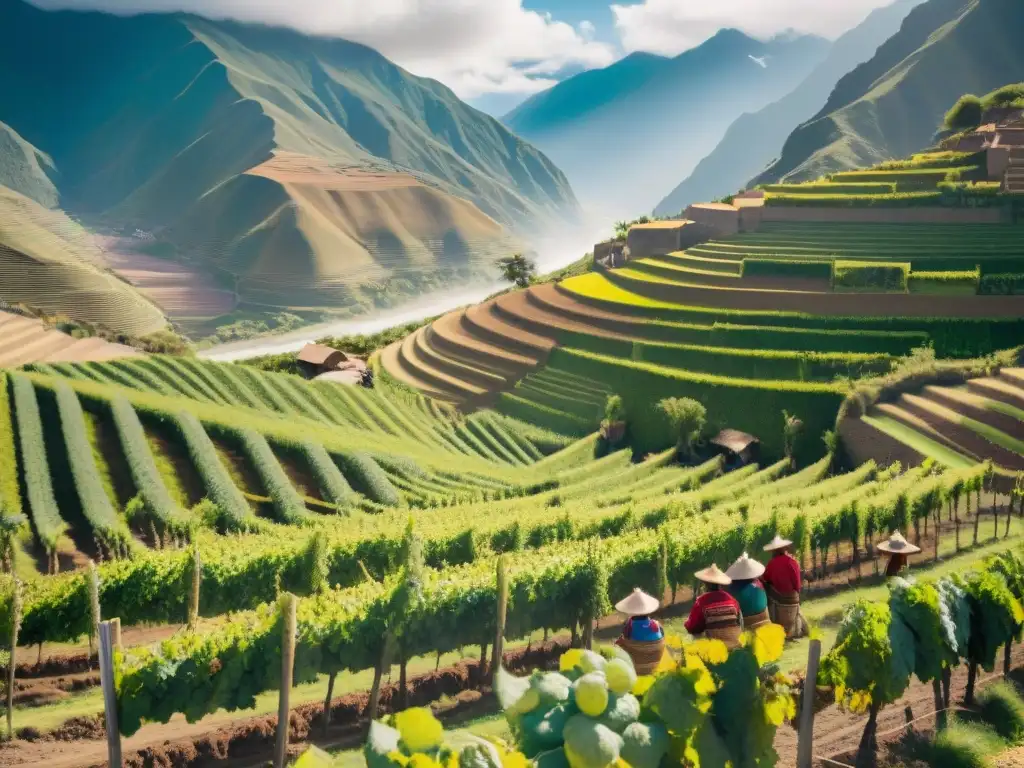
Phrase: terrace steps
[39,347]
[448,334]
[410,358]
[907,417]
[688,274]
[390,360]
[475,375]
[522,310]
[998,389]
[973,407]
[700,262]
[484,323]
[948,422]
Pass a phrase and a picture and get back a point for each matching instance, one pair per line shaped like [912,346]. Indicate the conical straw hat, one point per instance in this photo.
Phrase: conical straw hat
[777,543]
[897,545]
[639,603]
[745,568]
[713,575]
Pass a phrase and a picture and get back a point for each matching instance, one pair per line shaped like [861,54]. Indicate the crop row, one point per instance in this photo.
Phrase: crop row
[158,504]
[951,337]
[104,521]
[10,496]
[550,588]
[240,574]
[46,519]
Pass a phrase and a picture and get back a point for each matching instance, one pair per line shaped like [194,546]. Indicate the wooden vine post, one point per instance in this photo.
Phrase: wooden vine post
[805,752]
[94,604]
[288,604]
[16,607]
[499,636]
[106,654]
[193,597]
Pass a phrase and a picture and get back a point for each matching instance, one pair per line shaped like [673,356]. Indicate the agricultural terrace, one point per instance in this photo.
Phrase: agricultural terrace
[782,317]
[956,424]
[938,178]
[26,340]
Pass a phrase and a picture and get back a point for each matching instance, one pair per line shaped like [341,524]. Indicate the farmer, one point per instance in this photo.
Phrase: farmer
[640,626]
[715,613]
[748,591]
[642,637]
[782,582]
[898,549]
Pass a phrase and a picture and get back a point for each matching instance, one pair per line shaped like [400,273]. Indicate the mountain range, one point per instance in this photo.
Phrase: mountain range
[892,105]
[303,171]
[755,138]
[626,134]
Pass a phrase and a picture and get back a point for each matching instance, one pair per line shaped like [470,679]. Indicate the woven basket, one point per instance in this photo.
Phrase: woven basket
[646,656]
[722,622]
[785,610]
[755,620]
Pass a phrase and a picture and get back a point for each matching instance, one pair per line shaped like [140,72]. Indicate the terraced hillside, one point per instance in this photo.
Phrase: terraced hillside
[956,425]
[25,340]
[763,317]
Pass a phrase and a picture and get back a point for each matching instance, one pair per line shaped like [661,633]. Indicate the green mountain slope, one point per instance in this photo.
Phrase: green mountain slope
[49,262]
[150,119]
[626,134]
[25,169]
[892,105]
[755,139]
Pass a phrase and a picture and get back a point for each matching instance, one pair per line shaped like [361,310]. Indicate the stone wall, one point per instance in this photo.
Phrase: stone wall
[722,219]
[660,238]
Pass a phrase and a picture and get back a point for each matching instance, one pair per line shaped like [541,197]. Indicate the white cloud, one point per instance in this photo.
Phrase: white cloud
[473,46]
[672,26]
[587,29]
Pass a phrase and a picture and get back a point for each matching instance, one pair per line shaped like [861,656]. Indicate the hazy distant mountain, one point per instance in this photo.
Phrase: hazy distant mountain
[310,169]
[755,139]
[25,169]
[892,105]
[625,134]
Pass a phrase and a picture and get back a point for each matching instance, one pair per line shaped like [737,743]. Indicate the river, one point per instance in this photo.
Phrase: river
[551,256]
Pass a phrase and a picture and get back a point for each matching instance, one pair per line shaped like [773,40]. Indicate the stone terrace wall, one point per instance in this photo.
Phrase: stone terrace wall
[885,215]
[722,219]
[662,237]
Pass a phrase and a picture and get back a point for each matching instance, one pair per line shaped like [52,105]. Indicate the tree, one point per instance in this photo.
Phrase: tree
[791,428]
[517,269]
[614,410]
[687,418]
[965,114]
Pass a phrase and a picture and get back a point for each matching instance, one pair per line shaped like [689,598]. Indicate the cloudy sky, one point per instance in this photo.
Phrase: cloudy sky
[494,53]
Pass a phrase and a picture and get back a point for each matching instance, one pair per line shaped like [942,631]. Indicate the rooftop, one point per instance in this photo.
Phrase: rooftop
[670,224]
[734,440]
[318,354]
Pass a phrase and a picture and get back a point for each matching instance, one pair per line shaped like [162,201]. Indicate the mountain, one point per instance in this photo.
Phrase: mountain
[25,169]
[754,139]
[49,262]
[625,134]
[306,171]
[892,105]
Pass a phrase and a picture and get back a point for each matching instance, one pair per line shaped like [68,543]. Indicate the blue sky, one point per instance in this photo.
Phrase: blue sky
[495,53]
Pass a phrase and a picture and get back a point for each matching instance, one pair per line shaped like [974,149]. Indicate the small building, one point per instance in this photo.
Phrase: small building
[739,448]
[315,359]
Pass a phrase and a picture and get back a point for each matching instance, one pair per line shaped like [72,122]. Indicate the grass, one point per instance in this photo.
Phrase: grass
[964,745]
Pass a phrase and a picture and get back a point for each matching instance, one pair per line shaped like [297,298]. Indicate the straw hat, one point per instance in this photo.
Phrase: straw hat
[713,575]
[897,545]
[639,603]
[777,543]
[744,568]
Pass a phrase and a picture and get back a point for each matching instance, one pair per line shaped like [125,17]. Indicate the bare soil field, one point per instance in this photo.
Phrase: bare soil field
[181,291]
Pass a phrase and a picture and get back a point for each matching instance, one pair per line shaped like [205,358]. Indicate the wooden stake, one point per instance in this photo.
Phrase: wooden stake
[499,638]
[115,629]
[11,665]
[109,694]
[804,752]
[193,597]
[287,667]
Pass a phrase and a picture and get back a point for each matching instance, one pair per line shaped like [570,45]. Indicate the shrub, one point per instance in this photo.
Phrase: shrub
[687,418]
[821,269]
[944,283]
[965,745]
[1003,709]
[366,476]
[832,188]
[898,200]
[1002,285]
[1007,96]
[288,504]
[871,276]
[614,410]
[965,114]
